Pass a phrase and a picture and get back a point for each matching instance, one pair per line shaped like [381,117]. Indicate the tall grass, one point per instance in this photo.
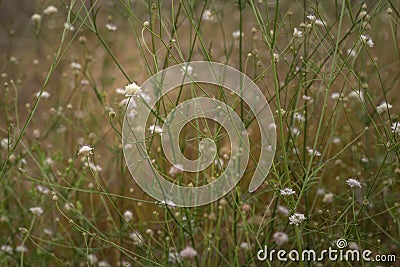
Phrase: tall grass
[328,69]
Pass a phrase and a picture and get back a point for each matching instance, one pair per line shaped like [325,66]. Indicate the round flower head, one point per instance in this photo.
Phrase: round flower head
[132,89]
[85,151]
[353,182]
[188,253]
[36,18]
[296,218]
[36,210]
[50,10]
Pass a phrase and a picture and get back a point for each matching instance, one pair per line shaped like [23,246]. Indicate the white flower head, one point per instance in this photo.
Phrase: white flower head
[328,198]
[188,253]
[92,259]
[312,17]
[367,40]
[244,246]
[187,69]
[128,215]
[297,33]
[175,170]
[319,22]
[76,66]
[396,127]
[36,18]
[208,15]
[236,34]
[137,238]
[287,191]
[283,210]
[36,210]
[383,107]
[280,238]
[50,10]
[132,89]
[296,218]
[313,152]
[69,27]
[173,257]
[155,129]
[352,182]
[85,151]
[111,27]
[45,94]
[7,249]
[21,249]
[299,117]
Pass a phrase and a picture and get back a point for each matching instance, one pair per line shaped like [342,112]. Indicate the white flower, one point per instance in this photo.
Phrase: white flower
[364,159]
[132,89]
[111,27]
[188,253]
[120,91]
[94,167]
[36,18]
[42,189]
[169,203]
[128,215]
[155,129]
[69,27]
[335,96]
[396,127]
[75,66]
[103,264]
[92,259]
[298,117]
[351,52]
[283,210]
[296,218]
[137,238]
[314,152]
[7,249]
[175,169]
[311,17]
[5,142]
[359,95]
[353,182]
[124,263]
[319,22]
[47,231]
[367,40]
[236,34]
[295,131]
[244,246]
[21,249]
[85,151]
[45,94]
[287,191]
[173,257]
[383,107]
[328,198]
[336,140]
[354,246]
[36,210]
[50,10]
[306,97]
[208,15]
[280,238]
[297,33]
[187,69]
